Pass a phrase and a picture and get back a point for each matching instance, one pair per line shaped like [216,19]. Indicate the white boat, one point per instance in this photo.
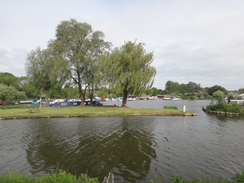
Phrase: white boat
[176,98]
[237,101]
[131,99]
[166,98]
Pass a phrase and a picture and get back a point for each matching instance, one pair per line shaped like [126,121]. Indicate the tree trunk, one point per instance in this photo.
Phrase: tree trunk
[47,103]
[91,94]
[83,100]
[125,95]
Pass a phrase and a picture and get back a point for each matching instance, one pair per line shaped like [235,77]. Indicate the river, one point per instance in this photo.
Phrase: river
[134,149]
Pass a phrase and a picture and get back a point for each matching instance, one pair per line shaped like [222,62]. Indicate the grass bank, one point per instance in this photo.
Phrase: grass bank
[65,177]
[62,112]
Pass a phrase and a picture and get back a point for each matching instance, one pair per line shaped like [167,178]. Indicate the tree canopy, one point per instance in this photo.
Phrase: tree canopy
[175,87]
[10,93]
[39,70]
[8,79]
[215,88]
[78,48]
[128,69]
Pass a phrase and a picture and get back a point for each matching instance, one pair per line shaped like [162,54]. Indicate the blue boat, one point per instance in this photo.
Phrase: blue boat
[65,104]
[74,103]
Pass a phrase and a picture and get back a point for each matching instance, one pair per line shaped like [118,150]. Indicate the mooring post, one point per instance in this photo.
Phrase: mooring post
[184,108]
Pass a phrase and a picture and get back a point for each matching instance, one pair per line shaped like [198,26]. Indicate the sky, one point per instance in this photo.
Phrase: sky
[192,40]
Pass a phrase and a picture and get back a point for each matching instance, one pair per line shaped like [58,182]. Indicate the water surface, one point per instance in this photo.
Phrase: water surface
[134,149]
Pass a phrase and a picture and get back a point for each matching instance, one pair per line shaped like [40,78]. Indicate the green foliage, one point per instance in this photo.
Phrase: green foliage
[60,177]
[9,93]
[39,70]
[172,87]
[78,49]
[170,107]
[64,177]
[238,178]
[8,79]
[152,91]
[234,107]
[175,87]
[219,95]
[241,90]
[215,88]
[221,105]
[128,69]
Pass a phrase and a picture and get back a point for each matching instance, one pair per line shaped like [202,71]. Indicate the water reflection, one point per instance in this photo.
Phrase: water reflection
[94,146]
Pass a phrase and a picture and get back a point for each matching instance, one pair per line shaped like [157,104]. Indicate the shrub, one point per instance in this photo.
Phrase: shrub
[238,178]
[170,107]
[234,107]
[223,106]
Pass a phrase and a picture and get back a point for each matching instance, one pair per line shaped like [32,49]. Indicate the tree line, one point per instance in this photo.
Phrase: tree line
[80,57]
[13,88]
[192,90]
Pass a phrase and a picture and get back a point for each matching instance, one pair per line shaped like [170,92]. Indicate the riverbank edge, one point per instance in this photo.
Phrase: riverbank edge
[114,113]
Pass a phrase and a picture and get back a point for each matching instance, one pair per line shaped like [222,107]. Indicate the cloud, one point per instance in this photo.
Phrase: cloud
[13,61]
[200,41]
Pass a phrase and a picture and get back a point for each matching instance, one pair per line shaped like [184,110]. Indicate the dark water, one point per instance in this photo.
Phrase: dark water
[134,149]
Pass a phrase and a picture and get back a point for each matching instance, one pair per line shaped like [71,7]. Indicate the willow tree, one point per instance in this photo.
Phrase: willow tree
[80,47]
[129,70]
[39,71]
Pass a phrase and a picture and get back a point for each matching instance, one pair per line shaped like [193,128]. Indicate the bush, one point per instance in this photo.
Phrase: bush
[234,107]
[238,178]
[170,107]
[223,106]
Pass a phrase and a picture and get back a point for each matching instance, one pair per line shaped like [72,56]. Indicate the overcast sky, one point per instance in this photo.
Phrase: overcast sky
[192,40]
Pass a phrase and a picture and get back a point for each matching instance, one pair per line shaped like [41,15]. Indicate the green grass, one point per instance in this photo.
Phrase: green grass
[78,111]
[17,107]
[60,177]
[64,177]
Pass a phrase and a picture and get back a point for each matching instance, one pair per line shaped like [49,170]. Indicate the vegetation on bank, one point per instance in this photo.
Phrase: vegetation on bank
[223,106]
[65,177]
[170,107]
[87,111]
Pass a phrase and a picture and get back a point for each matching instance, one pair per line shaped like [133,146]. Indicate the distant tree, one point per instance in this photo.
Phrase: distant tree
[8,79]
[241,90]
[219,95]
[128,69]
[193,87]
[172,87]
[183,88]
[153,91]
[9,93]
[78,48]
[215,88]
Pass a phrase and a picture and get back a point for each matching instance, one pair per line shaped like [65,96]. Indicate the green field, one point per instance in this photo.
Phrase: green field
[59,112]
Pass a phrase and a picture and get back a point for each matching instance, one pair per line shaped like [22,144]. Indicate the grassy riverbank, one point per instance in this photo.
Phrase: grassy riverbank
[65,177]
[59,112]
